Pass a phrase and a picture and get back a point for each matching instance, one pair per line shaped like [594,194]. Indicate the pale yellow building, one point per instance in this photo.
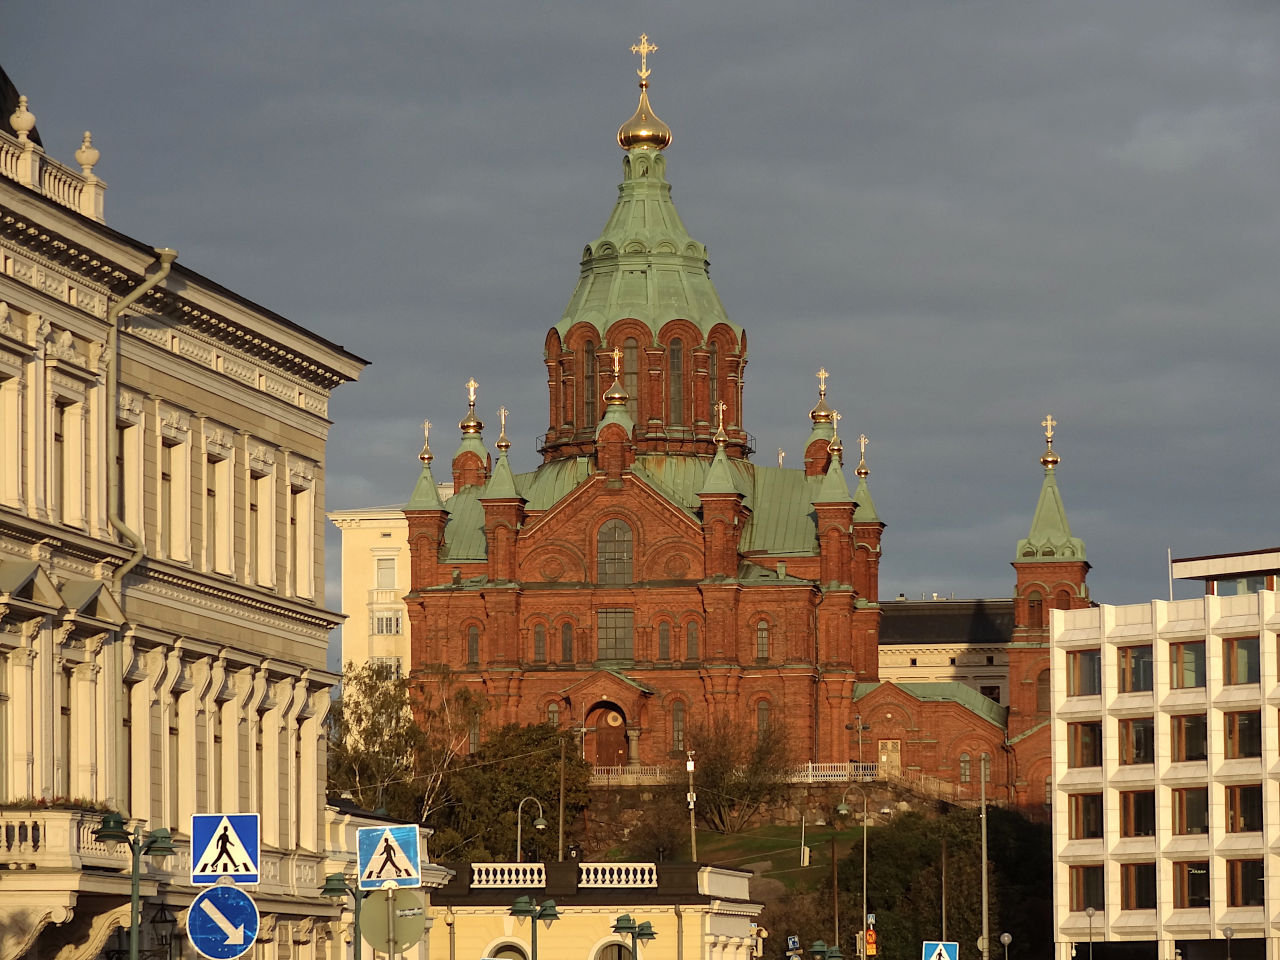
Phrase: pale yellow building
[162,640]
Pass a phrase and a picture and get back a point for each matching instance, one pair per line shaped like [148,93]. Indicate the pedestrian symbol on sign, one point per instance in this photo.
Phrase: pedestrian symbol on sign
[388,855]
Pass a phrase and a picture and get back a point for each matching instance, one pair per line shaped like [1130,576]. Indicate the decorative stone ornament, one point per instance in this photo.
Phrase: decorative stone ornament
[87,156]
[23,121]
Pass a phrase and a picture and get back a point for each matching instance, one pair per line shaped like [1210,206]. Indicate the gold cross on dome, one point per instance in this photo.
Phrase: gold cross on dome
[471,389]
[502,415]
[721,407]
[837,416]
[644,48]
[617,362]
[426,430]
[822,381]
[1048,423]
[862,445]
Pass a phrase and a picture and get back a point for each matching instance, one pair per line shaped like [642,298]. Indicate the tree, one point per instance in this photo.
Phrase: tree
[477,821]
[393,741]
[739,770]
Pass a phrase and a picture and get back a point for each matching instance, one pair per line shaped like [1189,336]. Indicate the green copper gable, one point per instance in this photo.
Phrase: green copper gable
[644,264]
[425,495]
[866,512]
[834,488]
[720,477]
[502,485]
[1050,538]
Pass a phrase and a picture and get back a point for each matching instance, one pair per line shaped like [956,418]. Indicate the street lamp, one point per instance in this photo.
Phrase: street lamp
[538,824]
[1006,939]
[335,886]
[164,923]
[692,798]
[859,726]
[818,950]
[1228,932]
[1089,912]
[547,913]
[643,932]
[843,810]
[156,843]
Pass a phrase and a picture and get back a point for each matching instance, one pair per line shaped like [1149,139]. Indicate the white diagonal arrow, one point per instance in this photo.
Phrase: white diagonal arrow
[235,935]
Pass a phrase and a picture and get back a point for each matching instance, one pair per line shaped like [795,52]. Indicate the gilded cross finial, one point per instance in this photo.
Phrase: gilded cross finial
[1048,423]
[503,443]
[502,416]
[781,453]
[471,389]
[617,362]
[425,455]
[862,445]
[721,407]
[822,381]
[644,48]
[1049,459]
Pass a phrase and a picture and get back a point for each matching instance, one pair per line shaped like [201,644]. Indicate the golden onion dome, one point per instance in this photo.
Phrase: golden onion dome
[644,128]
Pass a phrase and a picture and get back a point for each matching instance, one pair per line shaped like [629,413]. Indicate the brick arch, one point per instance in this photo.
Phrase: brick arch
[673,558]
[619,330]
[554,561]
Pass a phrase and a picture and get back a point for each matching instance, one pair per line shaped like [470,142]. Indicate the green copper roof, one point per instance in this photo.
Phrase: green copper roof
[644,264]
[425,495]
[720,477]
[501,485]
[1050,538]
[472,442]
[866,512]
[616,413]
[951,691]
[834,489]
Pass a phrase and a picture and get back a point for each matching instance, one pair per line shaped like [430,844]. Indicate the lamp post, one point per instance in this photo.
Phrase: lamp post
[818,950]
[693,798]
[538,824]
[1089,912]
[335,886]
[1228,933]
[164,923]
[626,926]
[859,726]
[156,843]
[1005,940]
[843,810]
[547,913]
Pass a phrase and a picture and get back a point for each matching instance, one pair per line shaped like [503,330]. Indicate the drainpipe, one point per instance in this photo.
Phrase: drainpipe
[112,355]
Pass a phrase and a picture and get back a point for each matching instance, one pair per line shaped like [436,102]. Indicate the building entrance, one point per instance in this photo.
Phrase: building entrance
[606,736]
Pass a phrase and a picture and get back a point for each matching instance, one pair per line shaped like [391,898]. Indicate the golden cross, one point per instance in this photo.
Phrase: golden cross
[471,389]
[502,414]
[822,381]
[722,407]
[837,416]
[617,362]
[862,445]
[1048,423]
[426,430]
[781,453]
[644,48]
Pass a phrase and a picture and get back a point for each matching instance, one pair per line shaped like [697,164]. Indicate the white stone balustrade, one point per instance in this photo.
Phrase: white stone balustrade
[508,875]
[617,875]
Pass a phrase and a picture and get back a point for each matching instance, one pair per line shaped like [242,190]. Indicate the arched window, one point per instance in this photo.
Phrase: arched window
[614,951]
[473,736]
[566,642]
[713,376]
[613,554]
[1043,702]
[677,726]
[631,375]
[966,771]
[762,640]
[553,713]
[1062,600]
[675,381]
[691,641]
[540,643]
[473,644]
[664,641]
[509,952]
[1035,610]
[762,717]
[589,389]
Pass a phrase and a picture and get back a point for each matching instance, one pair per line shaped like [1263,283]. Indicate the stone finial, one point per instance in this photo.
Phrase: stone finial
[87,156]
[22,120]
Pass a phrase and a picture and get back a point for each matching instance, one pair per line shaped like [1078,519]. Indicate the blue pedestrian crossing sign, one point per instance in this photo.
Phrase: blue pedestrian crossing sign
[223,922]
[940,950]
[388,855]
[225,845]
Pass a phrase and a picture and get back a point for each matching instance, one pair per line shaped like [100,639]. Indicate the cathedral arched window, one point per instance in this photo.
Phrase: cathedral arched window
[1062,600]
[966,769]
[553,713]
[540,643]
[566,642]
[762,640]
[631,375]
[713,375]
[691,641]
[762,717]
[613,553]
[589,388]
[473,644]
[677,725]
[1035,610]
[1042,693]
[675,381]
[664,641]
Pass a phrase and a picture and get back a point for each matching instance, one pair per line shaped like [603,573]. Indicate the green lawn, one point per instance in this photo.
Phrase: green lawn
[779,847]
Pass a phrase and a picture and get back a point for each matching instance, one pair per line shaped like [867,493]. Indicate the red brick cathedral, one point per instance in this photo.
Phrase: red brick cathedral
[649,574]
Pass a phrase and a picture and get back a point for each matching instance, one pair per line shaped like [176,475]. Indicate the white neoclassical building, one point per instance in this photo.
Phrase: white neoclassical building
[162,639]
[1166,759]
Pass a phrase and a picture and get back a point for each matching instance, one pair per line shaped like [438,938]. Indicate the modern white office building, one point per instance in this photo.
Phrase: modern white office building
[1166,759]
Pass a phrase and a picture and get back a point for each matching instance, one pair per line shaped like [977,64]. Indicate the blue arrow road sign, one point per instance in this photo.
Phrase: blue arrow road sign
[222,922]
[224,845]
[940,950]
[388,854]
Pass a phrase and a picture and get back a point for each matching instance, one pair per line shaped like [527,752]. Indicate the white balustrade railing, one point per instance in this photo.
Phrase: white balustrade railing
[55,839]
[617,875]
[629,776]
[508,875]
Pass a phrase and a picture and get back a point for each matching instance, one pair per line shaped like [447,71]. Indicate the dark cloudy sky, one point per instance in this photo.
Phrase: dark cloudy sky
[972,212]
